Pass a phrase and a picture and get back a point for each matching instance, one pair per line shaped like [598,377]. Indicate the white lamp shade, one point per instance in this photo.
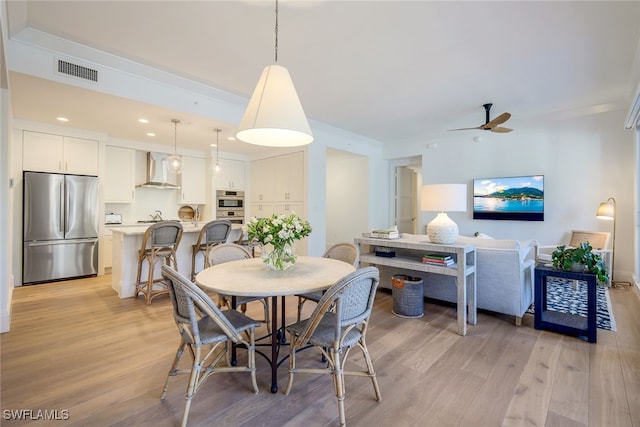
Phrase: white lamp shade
[606,210]
[274,116]
[444,197]
[441,198]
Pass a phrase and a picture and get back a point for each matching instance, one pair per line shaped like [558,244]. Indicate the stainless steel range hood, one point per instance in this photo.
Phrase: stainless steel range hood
[158,175]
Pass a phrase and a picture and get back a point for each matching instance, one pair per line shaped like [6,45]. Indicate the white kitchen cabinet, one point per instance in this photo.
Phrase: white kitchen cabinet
[232,177]
[277,185]
[80,156]
[266,209]
[106,250]
[120,169]
[289,177]
[278,179]
[44,152]
[260,210]
[262,180]
[192,181]
[288,208]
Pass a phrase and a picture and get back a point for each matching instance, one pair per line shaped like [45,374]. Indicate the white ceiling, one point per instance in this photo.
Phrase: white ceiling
[392,71]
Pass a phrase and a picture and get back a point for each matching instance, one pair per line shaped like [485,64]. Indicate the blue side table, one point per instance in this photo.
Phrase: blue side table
[565,323]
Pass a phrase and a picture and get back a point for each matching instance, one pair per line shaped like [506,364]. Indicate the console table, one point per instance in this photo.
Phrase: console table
[408,256]
[564,322]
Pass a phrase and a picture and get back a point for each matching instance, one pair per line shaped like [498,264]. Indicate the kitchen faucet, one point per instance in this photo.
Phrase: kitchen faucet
[196,214]
[157,216]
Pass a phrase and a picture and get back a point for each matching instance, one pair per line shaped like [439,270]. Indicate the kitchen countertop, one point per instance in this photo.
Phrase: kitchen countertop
[132,230]
[139,229]
[126,244]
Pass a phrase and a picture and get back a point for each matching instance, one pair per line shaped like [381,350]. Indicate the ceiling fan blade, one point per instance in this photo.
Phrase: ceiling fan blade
[477,127]
[500,129]
[497,121]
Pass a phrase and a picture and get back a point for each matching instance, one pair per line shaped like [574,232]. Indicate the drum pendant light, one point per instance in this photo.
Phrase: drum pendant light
[175,161]
[274,116]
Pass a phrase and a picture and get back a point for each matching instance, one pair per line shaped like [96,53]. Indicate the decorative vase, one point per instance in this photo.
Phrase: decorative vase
[578,267]
[279,257]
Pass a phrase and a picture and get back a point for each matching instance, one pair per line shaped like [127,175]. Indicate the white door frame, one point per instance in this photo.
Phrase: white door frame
[415,161]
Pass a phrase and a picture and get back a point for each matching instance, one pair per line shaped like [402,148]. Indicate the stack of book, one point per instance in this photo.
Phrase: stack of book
[389,233]
[438,259]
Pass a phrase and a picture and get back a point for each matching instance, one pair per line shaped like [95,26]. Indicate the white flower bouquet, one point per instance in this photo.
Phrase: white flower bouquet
[279,231]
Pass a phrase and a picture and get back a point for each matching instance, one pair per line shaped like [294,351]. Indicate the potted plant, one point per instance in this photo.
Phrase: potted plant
[580,259]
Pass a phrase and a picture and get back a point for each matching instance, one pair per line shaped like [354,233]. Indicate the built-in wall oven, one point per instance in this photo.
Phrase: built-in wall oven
[230,206]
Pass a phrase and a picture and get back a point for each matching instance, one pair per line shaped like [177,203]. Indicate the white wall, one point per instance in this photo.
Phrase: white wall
[584,160]
[326,138]
[6,190]
[347,195]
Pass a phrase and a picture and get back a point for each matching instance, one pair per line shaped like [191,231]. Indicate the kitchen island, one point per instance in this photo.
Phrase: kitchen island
[127,240]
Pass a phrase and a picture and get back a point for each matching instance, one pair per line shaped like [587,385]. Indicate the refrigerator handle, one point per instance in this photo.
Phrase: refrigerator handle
[61,207]
[62,242]
[67,205]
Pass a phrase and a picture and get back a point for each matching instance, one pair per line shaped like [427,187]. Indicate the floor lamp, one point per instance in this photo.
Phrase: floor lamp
[607,210]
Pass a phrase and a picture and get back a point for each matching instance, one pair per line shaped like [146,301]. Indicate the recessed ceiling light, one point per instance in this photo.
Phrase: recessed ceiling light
[62,119]
[143,121]
[151,134]
[232,138]
[214,145]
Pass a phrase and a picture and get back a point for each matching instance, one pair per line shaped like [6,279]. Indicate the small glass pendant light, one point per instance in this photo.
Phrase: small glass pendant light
[175,161]
[218,168]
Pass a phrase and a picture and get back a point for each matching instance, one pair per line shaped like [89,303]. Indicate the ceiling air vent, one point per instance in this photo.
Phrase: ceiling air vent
[76,70]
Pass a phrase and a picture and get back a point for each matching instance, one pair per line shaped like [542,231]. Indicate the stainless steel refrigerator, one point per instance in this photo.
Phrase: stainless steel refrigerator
[60,227]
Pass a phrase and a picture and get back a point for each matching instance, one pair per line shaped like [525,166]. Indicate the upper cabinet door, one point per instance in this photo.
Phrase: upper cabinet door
[232,177]
[80,156]
[289,177]
[262,180]
[44,152]
[120,175]
[192,181]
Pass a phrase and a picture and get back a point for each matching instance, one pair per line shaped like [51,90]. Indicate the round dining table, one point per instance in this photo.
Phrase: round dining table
[250,277]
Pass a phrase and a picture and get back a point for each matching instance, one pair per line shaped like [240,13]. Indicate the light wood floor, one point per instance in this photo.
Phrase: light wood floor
[76,346]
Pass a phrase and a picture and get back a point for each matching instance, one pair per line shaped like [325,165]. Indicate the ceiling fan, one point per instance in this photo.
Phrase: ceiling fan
[492,125]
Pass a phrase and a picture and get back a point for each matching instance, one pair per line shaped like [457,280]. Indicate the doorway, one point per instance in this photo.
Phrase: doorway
[407,176]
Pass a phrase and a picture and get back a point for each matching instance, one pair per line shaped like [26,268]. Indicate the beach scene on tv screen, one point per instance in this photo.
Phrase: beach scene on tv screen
[522,194]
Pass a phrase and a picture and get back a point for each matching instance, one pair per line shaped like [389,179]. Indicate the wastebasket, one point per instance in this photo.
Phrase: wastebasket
[408,296]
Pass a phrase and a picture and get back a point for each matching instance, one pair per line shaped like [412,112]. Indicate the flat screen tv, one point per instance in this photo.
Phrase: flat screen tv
[519,198]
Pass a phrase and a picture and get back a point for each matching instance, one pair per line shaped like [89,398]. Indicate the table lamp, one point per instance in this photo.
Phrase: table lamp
[443,198]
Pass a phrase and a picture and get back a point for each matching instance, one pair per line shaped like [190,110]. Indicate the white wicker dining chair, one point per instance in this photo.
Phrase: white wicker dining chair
[201,323]
[347,252]
[227,252]
[211,234]
[338,323]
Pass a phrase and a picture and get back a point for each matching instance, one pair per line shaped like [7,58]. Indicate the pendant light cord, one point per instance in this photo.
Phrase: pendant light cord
[175,136]
[217,145]
[276,31]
